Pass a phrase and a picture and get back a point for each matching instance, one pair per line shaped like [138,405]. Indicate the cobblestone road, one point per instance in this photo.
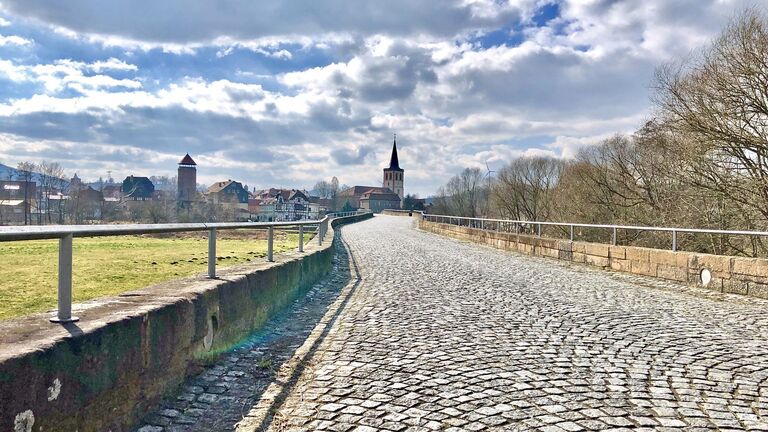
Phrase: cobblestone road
[444,335]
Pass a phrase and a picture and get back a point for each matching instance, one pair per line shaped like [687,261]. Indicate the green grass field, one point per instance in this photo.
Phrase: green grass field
[105,266]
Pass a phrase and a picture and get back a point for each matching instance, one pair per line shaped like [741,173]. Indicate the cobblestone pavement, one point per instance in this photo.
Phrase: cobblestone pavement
[446,335]
[218,397]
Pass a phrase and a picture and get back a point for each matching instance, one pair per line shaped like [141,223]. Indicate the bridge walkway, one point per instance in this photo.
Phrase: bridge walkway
[445,335]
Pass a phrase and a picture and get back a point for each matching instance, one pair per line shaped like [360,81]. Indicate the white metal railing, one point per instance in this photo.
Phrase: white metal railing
[348,213]
[65,234]
[516,225]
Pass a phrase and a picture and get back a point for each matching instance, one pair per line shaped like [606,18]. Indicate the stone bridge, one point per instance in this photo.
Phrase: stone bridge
[417,332]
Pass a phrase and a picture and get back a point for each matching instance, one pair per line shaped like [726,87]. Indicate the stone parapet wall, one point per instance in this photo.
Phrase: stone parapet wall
[104,372]
[739,275]
[413,213]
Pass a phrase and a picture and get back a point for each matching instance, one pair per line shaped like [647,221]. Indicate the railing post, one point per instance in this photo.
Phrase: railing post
[301,238]
[539,233]
[674,241]
[64,313]
[320,233]
[571,232]
[270,243]
[613,237]
[212,253]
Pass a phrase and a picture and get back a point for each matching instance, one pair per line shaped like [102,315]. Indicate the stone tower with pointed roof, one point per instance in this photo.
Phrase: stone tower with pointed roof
[393,176]
[187,181]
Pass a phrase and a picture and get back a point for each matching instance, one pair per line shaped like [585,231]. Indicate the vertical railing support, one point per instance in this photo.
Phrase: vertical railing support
[320,233]
[64,313]
[301,238]
[539,231]
[674,241]
[613,237]
[571,232]
[212,253]
[270,243]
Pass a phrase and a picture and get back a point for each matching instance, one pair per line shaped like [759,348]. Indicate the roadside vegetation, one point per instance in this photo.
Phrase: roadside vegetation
[700,161]
[105,266]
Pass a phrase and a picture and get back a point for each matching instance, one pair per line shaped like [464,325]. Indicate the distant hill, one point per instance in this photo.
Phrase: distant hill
[10,173]
[7,173]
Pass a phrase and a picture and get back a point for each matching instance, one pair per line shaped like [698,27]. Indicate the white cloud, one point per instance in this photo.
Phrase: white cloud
[176,21]
[425,72]
[111,64]
[14,40]
[12,71]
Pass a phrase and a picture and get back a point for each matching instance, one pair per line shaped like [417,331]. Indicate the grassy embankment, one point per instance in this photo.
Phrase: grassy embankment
[105,266]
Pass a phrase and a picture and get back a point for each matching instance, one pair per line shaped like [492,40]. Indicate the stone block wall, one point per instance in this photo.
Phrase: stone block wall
[738,275]
[393,212]
[104,372]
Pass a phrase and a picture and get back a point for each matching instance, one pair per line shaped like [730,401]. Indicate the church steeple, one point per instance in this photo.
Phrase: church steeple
[394,164]
[393,176]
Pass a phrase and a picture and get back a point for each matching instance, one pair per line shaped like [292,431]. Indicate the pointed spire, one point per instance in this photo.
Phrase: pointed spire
[394,164]
[187,160]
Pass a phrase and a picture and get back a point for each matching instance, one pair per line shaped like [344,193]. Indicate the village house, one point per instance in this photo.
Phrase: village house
[378,201]
[349,199]
[232,197]
[319,206]
[281,205]
[17,200]
[137,189]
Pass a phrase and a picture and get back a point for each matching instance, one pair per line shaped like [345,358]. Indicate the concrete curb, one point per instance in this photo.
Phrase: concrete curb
[260,417]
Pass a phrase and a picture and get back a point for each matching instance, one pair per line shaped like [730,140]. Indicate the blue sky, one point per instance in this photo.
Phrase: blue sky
[289,93]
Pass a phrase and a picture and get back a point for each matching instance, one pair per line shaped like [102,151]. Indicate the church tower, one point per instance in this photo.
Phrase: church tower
[393,176]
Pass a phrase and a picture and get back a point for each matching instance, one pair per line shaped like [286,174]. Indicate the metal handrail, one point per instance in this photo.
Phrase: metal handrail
[15,233]
[347,213]
[614,228]
[65,234]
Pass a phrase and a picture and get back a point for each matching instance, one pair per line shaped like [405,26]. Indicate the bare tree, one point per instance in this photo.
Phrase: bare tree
[463,195]
[323,189]
[52,182]
[25,170]
[335,189]
[328,190]
[412,202]
[524,188]
[717,104]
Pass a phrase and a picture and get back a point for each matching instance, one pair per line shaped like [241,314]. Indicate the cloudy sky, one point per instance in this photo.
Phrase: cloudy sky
[286,93]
